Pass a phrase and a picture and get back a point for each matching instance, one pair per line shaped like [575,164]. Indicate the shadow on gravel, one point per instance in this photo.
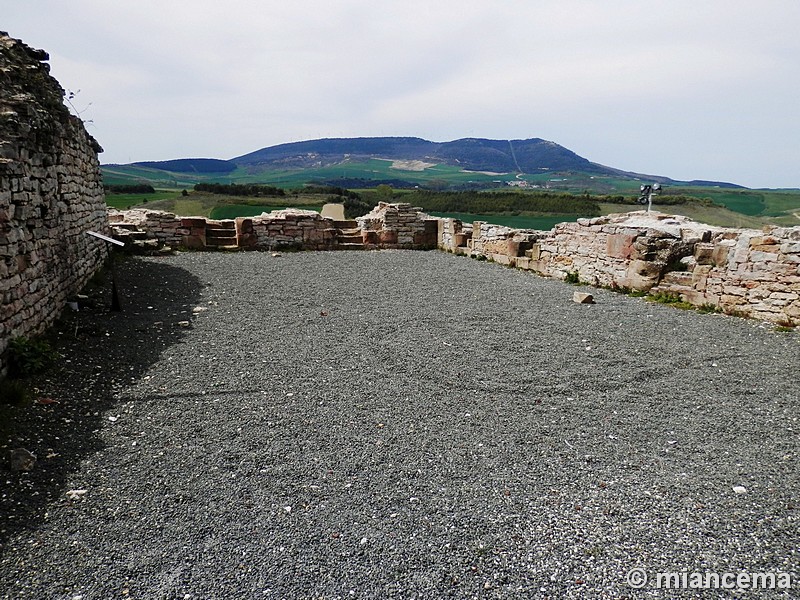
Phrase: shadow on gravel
[100,352]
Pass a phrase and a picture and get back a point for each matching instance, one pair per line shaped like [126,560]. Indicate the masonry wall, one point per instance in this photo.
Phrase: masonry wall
[387,226]
[151,230]
[399,225]
[51,193]
[748,272]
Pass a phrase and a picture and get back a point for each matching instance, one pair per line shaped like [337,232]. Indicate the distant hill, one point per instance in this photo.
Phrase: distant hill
[190,165]
[469,163]
[472,154]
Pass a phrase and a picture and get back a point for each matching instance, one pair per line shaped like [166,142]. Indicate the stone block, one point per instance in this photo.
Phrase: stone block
[193,242]
[523,262]
[721,254]
[641,275]
[388,237]
[582,298]
[704,253]
[620,245]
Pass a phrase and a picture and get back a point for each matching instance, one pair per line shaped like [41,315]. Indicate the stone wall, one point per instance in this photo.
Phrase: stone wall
[387,226]
[153,230]
[399,225]
[51,193]
[298,229]
[747,272]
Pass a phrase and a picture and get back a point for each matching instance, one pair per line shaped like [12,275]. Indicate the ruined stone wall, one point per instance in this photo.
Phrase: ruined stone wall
[151,230]
[298,229]
[747,272]
[753,273]
[51,193]
[387,226]
[399,225]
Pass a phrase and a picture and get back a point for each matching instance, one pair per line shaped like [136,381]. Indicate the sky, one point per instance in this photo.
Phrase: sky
[687,89]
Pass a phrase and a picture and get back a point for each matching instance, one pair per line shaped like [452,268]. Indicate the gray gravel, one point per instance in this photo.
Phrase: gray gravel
[399,425]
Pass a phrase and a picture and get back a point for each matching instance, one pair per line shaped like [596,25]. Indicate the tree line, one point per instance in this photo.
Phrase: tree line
[497,202]
[136,188]
[254,190]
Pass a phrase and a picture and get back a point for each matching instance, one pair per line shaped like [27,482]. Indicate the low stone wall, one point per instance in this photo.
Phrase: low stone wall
[51,194]
[747,272]
[387,226]
[300,229]
[152,230]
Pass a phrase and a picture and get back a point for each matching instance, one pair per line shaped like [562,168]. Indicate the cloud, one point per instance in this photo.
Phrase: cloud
[657,86]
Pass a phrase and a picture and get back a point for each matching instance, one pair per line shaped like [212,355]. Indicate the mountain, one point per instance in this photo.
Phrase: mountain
[399,161]
[190,165]
[472,154]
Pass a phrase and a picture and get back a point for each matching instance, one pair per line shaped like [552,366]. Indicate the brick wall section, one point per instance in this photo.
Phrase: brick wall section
[51,193]
[748,272]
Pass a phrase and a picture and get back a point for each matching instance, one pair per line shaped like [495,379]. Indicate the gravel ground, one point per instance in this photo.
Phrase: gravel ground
[399,425]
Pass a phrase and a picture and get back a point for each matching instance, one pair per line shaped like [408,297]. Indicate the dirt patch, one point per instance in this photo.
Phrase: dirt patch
[411,165]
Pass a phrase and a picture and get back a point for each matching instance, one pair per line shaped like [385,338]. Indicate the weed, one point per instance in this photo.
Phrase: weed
[664,298]
[683,305]
[637,293]
[572,277]
[28,357]
[615,287]
[784,328]
[708,308]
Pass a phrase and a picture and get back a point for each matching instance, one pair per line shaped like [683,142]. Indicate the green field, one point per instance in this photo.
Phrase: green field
[782,205]
[123,201]
[731,207]
[544,223]
[776,206]
[216,206]
[231,211]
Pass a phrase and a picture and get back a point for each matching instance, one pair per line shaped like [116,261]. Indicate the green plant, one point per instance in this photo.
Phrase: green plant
[708,308]
[28,357]
[664,298]
[637,293]
[572,277]
[683,305]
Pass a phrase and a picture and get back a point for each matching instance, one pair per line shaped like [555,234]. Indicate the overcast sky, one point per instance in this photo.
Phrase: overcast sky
[689,89]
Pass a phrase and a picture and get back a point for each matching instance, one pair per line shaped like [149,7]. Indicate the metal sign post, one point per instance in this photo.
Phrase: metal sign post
[115,305]
[647,192]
